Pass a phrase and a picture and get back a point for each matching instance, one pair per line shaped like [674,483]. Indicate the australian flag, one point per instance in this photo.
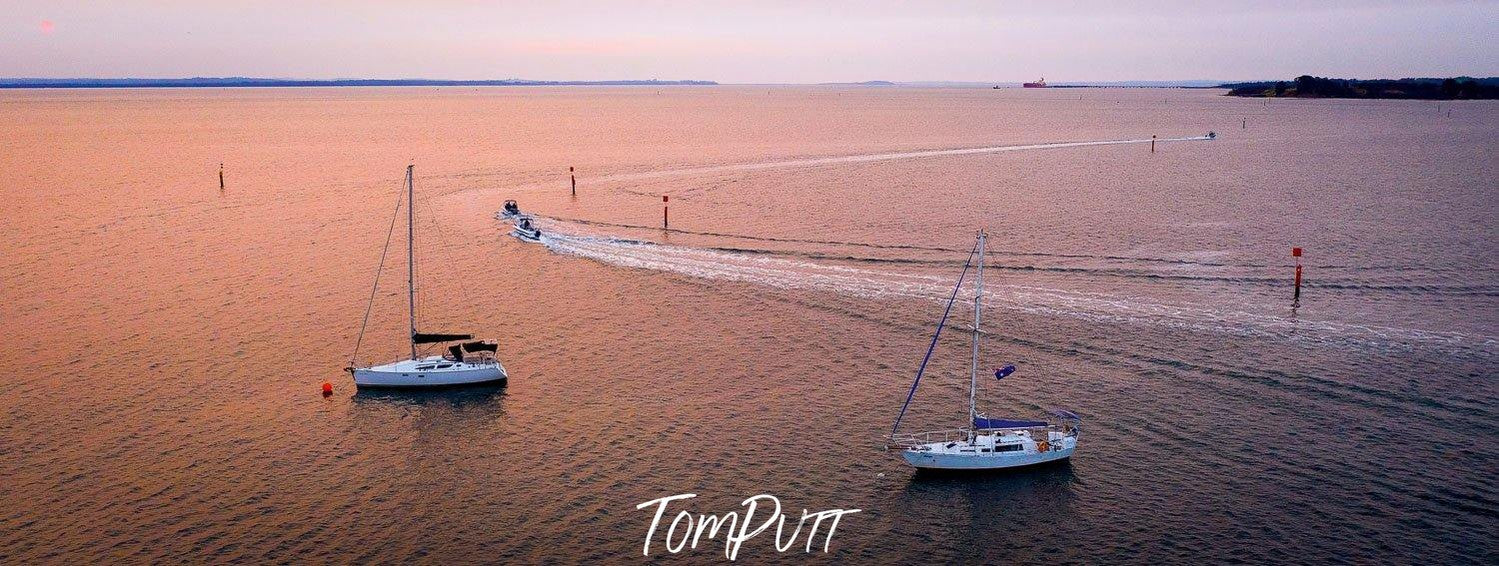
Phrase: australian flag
[1001,373]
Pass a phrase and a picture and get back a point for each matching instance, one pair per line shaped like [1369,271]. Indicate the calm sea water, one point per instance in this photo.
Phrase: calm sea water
[165,339]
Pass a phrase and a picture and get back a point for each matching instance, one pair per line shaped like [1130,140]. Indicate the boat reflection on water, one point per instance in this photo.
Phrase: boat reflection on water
[457,398]
[458,406]
[1046,480]
[443,423]
[1023,508]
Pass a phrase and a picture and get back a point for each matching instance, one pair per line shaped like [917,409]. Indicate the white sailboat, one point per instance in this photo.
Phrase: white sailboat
[467,363]
[985,443]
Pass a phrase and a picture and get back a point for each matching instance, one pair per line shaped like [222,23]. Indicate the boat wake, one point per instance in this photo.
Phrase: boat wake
[1092,264]
[874,157]
[626,177]
[875,282]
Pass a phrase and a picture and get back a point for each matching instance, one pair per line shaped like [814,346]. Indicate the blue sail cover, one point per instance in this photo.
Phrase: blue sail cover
[983,423]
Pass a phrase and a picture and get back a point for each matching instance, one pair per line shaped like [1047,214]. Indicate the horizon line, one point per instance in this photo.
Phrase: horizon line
[248,81]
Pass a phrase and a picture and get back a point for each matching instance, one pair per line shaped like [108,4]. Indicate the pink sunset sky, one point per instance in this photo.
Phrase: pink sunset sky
[751,42]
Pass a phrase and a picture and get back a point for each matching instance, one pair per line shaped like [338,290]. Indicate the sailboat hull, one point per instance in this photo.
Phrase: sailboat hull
[940,461]
[991,449]
[433,372]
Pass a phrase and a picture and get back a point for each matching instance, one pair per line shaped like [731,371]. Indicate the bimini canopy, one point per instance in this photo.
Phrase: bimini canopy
[458,349]
[425,338]
[985,423]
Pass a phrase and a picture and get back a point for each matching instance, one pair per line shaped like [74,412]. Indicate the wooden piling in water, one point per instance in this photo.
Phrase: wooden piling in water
[665,220]
[574,178]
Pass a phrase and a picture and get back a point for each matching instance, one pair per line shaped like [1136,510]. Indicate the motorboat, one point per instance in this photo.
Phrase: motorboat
[526,230]
[509,210]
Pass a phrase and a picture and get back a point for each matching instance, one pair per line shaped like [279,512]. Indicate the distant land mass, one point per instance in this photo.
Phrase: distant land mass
[259,82]
[1307,86]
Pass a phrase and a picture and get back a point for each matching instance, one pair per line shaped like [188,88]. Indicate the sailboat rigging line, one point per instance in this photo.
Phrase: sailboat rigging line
[935,335]
[353,360]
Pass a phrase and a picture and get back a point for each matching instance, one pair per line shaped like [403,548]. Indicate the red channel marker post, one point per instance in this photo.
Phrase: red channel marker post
[1296,298]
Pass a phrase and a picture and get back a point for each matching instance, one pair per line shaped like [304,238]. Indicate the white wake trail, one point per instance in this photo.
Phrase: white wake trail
[873,157]
[850,159]
[842,280]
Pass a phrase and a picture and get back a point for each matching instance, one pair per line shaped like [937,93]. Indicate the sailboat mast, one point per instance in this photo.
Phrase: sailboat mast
[411,254]
[973,371]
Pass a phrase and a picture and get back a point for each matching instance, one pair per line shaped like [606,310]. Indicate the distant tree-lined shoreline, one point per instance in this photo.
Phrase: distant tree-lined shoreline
[1307,86]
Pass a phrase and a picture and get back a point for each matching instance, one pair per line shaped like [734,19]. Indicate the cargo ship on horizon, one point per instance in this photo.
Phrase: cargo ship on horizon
[1038,84]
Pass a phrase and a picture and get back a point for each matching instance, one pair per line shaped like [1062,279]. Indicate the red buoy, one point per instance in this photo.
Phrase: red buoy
[327,389]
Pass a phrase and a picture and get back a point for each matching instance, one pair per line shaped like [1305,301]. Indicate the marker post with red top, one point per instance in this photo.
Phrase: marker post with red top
[665,223]
[1296,297]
